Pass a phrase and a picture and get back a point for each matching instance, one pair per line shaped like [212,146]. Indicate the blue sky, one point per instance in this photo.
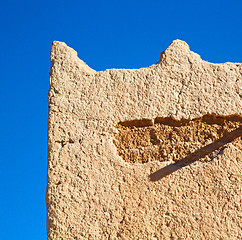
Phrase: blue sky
[106,34]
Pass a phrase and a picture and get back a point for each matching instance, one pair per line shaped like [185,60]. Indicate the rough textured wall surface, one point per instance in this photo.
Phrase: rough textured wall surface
[179,124]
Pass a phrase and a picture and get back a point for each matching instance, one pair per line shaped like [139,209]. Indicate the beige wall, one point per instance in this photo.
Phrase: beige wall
[93,193]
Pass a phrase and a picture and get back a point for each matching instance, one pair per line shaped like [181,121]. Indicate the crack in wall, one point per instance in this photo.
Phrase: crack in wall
[63,143]
[167,139]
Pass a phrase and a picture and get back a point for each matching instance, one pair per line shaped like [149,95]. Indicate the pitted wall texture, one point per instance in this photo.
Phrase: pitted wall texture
[190,188]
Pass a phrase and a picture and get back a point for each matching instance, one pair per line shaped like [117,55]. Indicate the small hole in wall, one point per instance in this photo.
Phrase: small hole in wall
[167,139]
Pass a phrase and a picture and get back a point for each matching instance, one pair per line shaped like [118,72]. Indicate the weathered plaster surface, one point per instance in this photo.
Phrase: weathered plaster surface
[93,193]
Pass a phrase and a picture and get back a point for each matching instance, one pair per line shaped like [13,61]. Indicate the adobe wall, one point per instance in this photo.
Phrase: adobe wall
[150,153]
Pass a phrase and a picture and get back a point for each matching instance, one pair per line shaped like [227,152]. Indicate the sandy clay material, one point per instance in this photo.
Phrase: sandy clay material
[150,153]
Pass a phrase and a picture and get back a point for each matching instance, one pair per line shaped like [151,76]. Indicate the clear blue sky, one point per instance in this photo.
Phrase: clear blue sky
[106,34]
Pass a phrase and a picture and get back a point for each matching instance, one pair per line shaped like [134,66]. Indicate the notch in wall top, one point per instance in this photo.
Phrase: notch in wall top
[177,51]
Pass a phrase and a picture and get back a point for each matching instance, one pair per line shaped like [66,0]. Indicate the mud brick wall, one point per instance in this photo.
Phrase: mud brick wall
[150,153]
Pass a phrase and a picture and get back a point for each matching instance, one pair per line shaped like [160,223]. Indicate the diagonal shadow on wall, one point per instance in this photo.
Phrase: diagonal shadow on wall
[200,153]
